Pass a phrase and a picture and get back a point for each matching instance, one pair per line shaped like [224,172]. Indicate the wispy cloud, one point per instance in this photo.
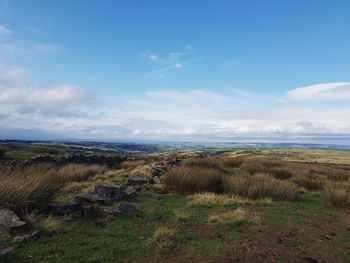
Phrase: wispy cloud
[324,91]
[4,30]
[169,62]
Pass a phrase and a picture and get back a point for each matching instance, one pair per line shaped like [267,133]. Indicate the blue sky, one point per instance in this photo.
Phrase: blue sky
[174,69]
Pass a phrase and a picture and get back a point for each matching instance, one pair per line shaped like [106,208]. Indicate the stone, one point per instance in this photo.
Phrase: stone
[6,250]
[130,192]
[93,198]
[108,191]
[158,170]
[327,237]
[137,181]
[10,222]
[127,208]
[156,180]
[65,208]
[28,237]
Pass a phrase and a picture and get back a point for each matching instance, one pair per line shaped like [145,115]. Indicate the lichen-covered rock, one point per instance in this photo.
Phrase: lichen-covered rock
[10,222]
[93,198]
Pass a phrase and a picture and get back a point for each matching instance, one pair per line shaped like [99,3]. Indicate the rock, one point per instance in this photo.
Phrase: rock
[10,223]
[327,237]
[156,180]
[127,208]
[28,237]
[108,191]
[137,181]
[65,208]
[93,198]
[158,170]
[130,192]
[6,250]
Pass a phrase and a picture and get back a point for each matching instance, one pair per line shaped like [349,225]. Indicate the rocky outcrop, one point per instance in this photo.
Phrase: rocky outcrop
[74,210]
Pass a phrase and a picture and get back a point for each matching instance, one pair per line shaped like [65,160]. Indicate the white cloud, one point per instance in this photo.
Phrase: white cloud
[4,30]
[324,91]
[57,95]
[12,76]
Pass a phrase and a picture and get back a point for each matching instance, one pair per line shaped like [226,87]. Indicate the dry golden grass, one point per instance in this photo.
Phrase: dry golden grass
[212,199]
[42,223]
[260,186]
[188,180]
[132,164]
[32,186]
[234,217]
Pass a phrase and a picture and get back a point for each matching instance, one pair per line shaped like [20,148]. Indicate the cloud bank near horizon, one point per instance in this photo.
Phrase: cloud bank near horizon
[70,111]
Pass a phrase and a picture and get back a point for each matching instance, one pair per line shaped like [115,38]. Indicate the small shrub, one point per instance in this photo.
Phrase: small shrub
[208,162]
[260,186]
[212,199]
[235,217]
[280,173]
[254,166]
[186,180]
[339,196]
[2,153]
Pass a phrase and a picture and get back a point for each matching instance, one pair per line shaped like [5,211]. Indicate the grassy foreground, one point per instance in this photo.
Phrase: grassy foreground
[250,208]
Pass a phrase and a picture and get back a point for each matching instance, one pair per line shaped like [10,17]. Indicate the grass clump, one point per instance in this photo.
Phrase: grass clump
[185,180]
[238,216]
[261,186]
[212,199]
[45,224]
[30,187]
[339,195]
[310,182]
[181,216]
[162,239]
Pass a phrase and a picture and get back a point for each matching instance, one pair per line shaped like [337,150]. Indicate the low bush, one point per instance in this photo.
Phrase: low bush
[260,186]
[186,180]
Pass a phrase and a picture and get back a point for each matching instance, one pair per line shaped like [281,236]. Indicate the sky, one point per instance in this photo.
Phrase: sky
[175,70]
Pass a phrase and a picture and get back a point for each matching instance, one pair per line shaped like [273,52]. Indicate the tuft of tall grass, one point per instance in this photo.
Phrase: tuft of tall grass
[212,200]
[260,186]
[27,187]
[45,224]
[162,239]
[339,195]
[310,182]
[186,180]
[235,217]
